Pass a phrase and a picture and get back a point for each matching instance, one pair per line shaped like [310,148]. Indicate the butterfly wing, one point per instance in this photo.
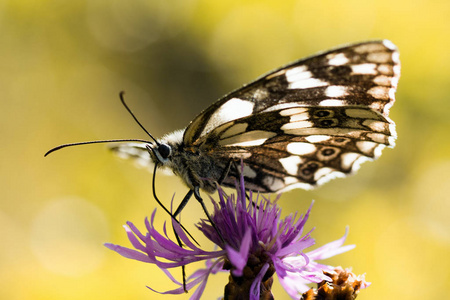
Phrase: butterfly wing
[307,122]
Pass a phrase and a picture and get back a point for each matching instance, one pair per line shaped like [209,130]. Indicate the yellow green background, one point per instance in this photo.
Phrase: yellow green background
[62,65]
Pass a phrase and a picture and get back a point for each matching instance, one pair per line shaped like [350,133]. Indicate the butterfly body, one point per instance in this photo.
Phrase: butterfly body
[298,126]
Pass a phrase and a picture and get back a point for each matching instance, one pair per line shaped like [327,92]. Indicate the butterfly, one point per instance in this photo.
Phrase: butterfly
[296,127]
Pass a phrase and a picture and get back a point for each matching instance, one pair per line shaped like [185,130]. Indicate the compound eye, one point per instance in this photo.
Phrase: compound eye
[164,150]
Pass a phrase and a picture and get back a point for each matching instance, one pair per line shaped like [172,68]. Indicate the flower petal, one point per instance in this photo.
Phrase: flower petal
[331,249]
[129,253]
[239,259]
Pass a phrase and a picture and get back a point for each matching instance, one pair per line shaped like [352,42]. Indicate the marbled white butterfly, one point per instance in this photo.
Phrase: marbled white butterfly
[298,126]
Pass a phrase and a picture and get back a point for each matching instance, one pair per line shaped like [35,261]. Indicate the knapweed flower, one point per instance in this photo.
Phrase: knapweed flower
[254,244]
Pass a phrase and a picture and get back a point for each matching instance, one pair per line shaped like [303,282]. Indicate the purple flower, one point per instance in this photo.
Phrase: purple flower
[257,243]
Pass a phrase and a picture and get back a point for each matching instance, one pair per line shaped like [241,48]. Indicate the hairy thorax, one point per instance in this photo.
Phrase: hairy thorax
[196,168]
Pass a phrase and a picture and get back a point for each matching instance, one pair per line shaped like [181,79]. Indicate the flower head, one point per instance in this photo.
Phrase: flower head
[344,285]
[256,243]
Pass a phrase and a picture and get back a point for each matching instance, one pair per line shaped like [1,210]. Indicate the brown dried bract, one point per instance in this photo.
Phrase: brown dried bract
[344,286]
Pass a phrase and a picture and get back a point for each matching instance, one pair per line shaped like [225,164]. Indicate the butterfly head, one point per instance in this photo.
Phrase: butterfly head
[161,151]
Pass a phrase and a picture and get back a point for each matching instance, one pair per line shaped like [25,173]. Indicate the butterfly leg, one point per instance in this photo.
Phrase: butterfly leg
[173,216]
[202,203]
[238,171]
[226,171]
[196,192]
[177,212]
[224,175]
[183,203]
[165,209]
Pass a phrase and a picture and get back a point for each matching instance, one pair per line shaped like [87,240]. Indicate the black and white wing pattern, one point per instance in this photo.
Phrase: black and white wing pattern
[306,122]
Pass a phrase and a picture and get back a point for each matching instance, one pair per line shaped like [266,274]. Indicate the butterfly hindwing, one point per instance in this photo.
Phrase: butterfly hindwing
[302,146]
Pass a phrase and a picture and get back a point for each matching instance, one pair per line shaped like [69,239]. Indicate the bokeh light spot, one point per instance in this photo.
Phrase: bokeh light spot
[67,236]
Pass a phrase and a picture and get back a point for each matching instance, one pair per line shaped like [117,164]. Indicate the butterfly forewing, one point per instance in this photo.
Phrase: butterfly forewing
[307,122]
[363,74]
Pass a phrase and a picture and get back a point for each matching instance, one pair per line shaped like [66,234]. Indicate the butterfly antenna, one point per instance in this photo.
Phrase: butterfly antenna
[134,117]
[94,142]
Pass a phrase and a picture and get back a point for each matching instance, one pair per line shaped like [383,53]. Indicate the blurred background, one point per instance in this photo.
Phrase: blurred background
[63,64]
